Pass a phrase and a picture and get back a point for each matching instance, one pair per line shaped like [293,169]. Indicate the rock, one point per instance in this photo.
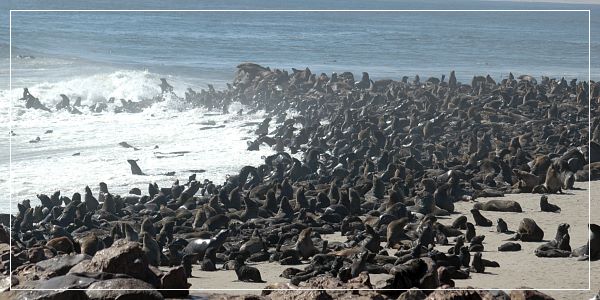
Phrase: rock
[44,295]
[300,294]
[442,294]
[61,264]
[528,295]
[124,257]
[83,266]
[174,279]
[412,294]
[454,295]
[122,288]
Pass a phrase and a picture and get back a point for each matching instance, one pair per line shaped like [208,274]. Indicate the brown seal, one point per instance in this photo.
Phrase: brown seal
[305,245]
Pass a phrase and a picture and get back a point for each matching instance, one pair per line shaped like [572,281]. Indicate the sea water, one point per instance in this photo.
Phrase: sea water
[99,55]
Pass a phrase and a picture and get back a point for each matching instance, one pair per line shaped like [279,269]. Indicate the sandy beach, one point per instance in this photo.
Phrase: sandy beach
[517,269]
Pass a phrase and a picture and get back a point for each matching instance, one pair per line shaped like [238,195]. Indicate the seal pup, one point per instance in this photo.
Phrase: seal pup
[460,223]
[477,265]
[135,169]
[186,262]
[470,232]
[208,263]
[501,226]
[246,273]
[547,206]
[510,246]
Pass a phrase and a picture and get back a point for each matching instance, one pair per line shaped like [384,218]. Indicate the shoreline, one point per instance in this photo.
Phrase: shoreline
[374,152]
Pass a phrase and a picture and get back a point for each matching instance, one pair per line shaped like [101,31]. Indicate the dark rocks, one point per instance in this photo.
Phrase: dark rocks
[61,264]
[174,279]
[122,288]
[123,257]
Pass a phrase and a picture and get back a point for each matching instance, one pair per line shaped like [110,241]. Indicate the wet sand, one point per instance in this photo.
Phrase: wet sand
[517,269]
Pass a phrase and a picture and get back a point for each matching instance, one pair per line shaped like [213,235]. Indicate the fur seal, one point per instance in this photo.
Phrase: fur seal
[547,206]
[460,223]
[529,231]
[199,246]
[395,232]
[152,250]
[553,183]
[208,262]
[246,273]
[591,250]
[480,220]
[477,265]
[90,244]
[470,232]
[135,169]
[559,247]
[510,246]
[499,205]
[501,226]
[304,244]
[90,201]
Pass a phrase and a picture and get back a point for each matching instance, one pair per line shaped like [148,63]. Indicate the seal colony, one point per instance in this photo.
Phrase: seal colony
[381,162]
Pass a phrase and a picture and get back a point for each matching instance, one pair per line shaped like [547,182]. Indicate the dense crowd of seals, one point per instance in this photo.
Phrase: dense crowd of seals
[377,161]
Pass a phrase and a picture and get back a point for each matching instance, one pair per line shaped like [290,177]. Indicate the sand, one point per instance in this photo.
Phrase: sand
[517,269]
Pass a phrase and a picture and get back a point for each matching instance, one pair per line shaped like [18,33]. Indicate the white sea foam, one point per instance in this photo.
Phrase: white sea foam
[50,164]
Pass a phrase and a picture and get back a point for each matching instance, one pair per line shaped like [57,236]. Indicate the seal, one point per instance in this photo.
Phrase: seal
[208,263]
[395,232]
[359,264]
[152,250]
[216,222]
[460,223]
[470,232]
[304,244]
[529,231]
[591,250]
[477,265]
[480,220]
[559,247]
[199,246]
[547,206]
[246,273]
[499,205]
[553,183]
[90,201]
[501,226]
[510,246]
[186,262]
[90,244]
[135,169]
[254,245]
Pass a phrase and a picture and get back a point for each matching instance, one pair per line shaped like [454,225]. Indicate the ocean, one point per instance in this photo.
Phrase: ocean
[98,55]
